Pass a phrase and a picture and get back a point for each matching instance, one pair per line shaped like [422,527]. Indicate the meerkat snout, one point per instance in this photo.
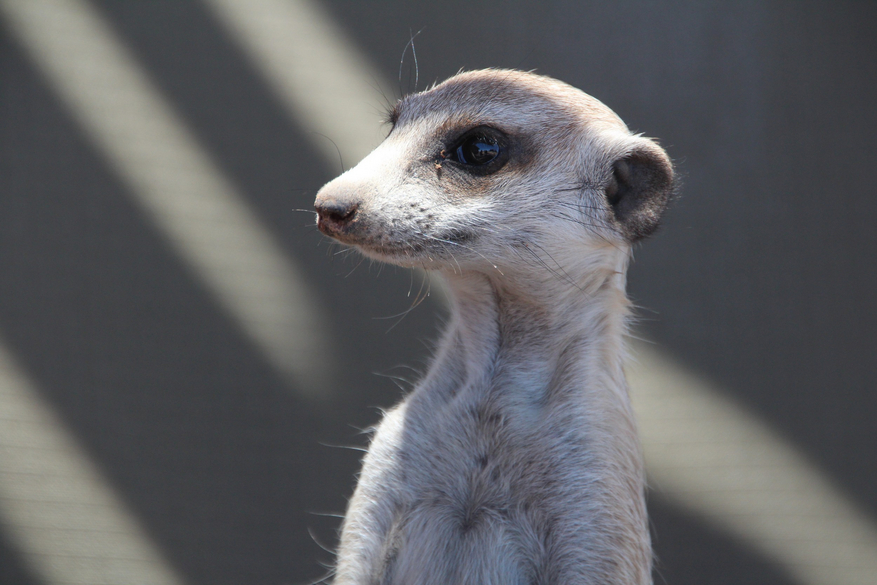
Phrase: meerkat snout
[335,214]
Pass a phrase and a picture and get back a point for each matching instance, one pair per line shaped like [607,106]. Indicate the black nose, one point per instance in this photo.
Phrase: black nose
[334,214]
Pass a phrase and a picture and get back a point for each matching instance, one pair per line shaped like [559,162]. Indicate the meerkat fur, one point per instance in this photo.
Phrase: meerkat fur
[515,460]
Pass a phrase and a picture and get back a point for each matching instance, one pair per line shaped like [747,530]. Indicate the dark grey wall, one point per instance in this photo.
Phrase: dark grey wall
[762,279]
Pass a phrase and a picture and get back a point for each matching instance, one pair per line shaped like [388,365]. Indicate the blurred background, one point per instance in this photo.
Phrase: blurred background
[184,360]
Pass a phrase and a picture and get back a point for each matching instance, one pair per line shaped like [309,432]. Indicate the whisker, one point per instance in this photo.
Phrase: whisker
[358,264]
[347,447]
[338,150]
[566,277]
[471,249]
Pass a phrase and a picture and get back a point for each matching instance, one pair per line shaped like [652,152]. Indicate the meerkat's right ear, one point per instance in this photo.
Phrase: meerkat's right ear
[640,188]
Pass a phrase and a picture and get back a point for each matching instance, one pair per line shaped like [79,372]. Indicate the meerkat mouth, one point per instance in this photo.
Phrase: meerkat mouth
[405,250]
[407,255]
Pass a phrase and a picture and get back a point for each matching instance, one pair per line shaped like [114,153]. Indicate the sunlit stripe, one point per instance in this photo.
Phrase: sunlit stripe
[55,508]
[176,183]
[318,74]
[706,453]
[329,88]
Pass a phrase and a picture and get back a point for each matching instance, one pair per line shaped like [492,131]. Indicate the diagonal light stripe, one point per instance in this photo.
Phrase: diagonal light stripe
[706,453]
[314,69]
[55,507]
[178,185]
[318,74]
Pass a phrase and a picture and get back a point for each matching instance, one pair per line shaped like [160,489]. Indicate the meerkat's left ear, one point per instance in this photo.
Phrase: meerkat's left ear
[640,188]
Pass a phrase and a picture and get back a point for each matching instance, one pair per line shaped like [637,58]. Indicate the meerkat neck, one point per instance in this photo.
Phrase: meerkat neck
[529,331]
[553,364]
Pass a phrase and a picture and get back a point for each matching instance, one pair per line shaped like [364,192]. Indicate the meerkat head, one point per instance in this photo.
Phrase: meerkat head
[490,167]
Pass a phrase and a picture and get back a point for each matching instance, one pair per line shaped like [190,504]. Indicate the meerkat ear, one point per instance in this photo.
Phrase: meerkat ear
[640,188]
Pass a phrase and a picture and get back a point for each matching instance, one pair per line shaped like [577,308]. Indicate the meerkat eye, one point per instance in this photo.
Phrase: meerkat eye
[477,150]
[481,150]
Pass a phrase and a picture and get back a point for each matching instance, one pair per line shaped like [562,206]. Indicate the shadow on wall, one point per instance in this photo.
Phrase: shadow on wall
[175,348]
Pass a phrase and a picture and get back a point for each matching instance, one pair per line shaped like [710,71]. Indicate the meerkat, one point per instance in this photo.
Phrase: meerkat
[515,460]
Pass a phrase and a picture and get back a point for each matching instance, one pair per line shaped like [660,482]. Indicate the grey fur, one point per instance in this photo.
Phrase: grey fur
[515,460]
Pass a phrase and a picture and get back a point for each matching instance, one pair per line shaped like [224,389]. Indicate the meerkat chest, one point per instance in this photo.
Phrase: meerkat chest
[468,478]
[482,463]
